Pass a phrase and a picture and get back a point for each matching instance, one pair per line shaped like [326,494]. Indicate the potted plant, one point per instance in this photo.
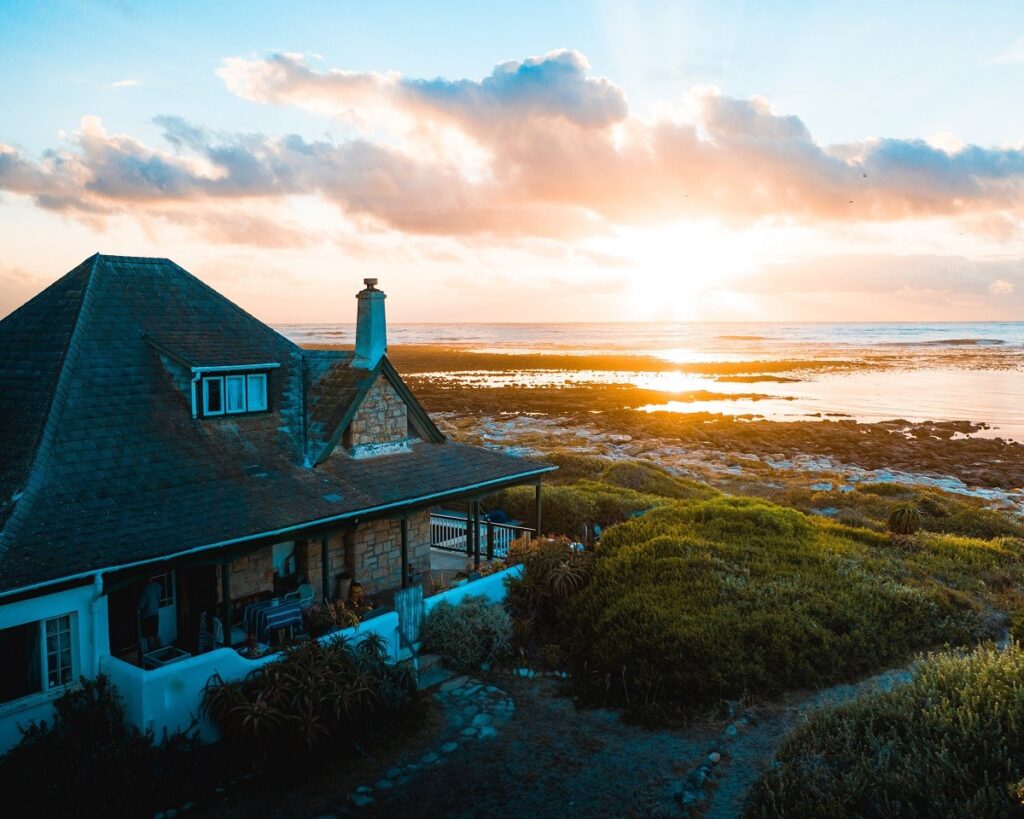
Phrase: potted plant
[344,581]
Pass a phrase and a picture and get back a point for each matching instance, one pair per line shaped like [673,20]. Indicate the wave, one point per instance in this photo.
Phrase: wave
[744,338]
[949,342]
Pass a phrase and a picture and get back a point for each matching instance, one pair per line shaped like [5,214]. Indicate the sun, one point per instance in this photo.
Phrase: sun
[676,267]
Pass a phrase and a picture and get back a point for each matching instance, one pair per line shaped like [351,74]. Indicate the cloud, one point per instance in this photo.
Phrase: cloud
[537,148]
[1012,55]
[124,84]
[902,277]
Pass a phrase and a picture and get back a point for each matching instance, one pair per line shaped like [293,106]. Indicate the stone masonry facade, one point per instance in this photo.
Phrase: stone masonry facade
[372,554]
[382,418]
[377,551]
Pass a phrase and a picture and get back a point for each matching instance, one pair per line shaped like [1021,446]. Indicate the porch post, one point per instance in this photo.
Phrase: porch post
[325,574]
[405,553]
[476,534]
[225,593]
[490,539]
[537,508]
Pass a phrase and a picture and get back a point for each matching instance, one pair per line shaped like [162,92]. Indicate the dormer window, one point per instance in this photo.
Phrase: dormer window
[233,393]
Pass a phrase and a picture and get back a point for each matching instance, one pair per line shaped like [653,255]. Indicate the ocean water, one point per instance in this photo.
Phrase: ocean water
[769,339]
[956,371]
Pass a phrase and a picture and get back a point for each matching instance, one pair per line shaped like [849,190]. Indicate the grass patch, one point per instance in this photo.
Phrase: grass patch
[949,743]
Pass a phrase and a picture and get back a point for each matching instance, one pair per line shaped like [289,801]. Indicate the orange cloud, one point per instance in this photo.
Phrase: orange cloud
[558,154]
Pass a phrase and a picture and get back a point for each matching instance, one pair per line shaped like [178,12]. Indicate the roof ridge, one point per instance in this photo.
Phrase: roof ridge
[42,447]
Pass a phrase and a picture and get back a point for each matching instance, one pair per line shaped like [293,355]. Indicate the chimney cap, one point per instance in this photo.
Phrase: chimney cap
[370,283]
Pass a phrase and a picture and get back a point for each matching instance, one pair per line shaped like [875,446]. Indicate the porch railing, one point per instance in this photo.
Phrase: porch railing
[451,532]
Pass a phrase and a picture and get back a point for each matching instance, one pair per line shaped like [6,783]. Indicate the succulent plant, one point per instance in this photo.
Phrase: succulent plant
[904,519]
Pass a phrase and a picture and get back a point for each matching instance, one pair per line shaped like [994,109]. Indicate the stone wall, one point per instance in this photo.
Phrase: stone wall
[250,574]
[372,553]
[382,418]
[377,551]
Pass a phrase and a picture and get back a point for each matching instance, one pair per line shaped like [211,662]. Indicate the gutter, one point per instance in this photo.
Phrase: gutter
[97,574]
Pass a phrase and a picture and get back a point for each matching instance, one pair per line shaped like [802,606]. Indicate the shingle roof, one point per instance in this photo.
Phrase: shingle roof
[102,463]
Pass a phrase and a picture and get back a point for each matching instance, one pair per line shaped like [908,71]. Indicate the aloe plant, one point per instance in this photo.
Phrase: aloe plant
[904,520]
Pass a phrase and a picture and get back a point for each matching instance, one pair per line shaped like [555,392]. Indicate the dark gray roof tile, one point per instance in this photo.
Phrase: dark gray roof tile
[102,464]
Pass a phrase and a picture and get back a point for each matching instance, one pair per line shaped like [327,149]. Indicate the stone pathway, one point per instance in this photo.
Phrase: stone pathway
[473,711]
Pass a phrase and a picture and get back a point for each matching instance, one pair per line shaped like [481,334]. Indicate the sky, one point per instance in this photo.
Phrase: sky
[536,161]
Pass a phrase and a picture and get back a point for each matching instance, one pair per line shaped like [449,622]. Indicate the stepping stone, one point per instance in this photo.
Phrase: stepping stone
[482,719]
[455,682]
[430,759]
[448,747]
[364,789]
[383,784]
[394,773]
[487,732]
[469,732]
[361,800]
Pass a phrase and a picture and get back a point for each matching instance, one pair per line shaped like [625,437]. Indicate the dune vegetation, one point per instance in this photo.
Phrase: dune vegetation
[696,597]
[948,743]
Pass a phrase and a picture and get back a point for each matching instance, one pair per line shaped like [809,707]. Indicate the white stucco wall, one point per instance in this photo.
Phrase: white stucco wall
[89,635]
[169,698]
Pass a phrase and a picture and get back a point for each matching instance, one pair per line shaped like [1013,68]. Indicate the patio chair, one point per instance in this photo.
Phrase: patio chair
[304,594]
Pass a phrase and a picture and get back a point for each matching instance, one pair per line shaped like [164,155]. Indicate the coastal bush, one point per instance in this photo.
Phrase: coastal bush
[89,761]
[697,602]
[469,634]
[904,520]
[317,697]
[574,508]
[575,466]
[553,571]
[650,480]
[948,743]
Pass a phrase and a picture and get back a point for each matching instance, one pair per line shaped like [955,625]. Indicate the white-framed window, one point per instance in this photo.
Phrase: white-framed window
[257,392]
[213,395]
[37,657]
[234,394]
[59,653]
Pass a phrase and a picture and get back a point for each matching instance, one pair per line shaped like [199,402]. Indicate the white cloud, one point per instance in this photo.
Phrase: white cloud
[124,84]
[1001,287]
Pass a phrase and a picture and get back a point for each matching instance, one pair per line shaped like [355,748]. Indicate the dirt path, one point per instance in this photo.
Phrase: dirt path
[749,751]
[547,759]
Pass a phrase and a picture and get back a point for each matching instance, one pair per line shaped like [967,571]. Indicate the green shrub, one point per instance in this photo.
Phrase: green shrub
[91,762]
[317,697]
[697,602]
[569,509]
[904,519]
[552,573]
[469,634]
[948,743]
[573,466]
[650,480]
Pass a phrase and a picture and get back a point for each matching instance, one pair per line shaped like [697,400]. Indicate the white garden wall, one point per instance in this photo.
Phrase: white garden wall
[168,698]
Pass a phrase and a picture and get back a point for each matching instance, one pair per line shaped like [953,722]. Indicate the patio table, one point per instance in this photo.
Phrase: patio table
[261,618]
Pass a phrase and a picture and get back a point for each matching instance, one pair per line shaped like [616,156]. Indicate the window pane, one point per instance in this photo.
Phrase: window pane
[257,392]
[19,669]
[58,651]
[212,403]
[234,393]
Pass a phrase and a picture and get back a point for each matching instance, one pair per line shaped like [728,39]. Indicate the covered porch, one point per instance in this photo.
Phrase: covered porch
[258,597]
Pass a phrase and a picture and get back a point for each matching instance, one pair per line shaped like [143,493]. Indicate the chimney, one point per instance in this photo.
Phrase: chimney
[371,331]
